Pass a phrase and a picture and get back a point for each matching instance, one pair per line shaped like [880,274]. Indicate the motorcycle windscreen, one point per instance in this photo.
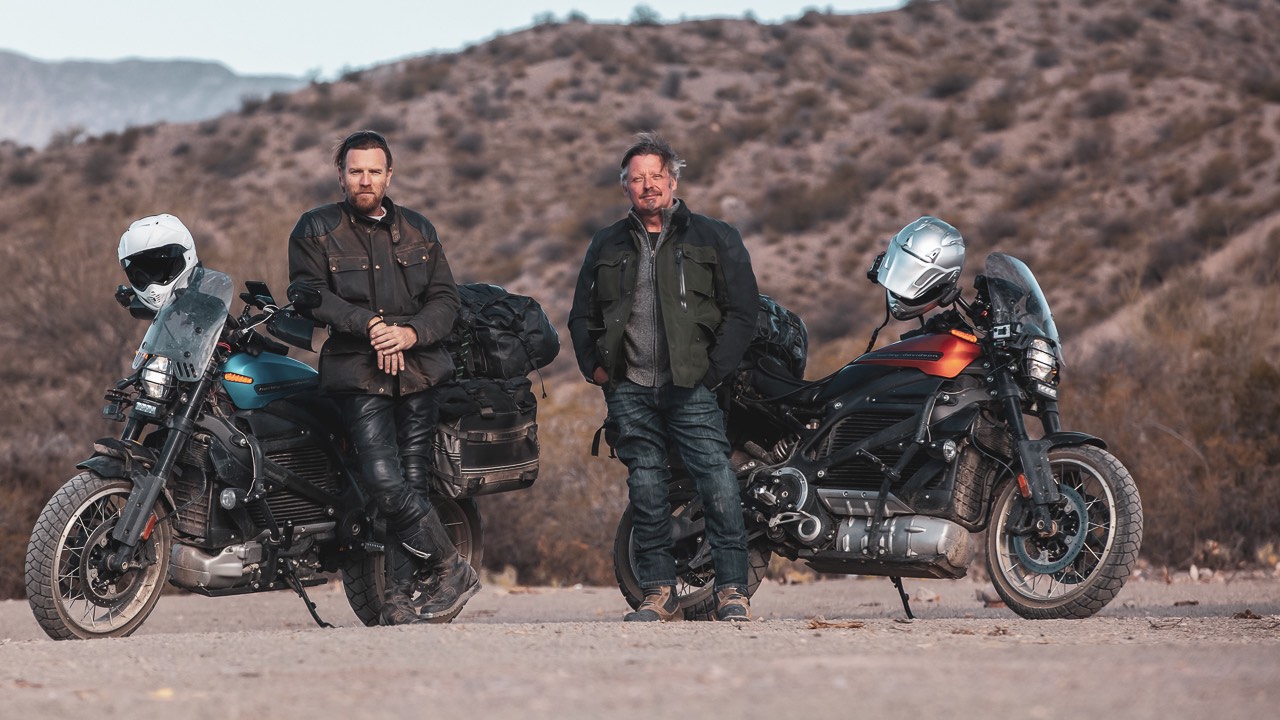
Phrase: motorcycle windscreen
[1018,301]
[187,330]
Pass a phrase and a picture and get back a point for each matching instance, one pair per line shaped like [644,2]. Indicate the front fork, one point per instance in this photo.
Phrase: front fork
[1035,479]
[137,519]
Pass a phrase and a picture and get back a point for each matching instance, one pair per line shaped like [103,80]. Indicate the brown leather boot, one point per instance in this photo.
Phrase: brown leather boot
[733,604]
[660,604]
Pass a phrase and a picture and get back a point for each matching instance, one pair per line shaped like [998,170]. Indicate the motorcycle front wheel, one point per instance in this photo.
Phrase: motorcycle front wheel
[1075,573]
[71,592]
[695,576]
[365,577]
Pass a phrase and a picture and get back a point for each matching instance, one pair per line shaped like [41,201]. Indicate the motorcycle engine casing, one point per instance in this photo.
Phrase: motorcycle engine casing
[904,546]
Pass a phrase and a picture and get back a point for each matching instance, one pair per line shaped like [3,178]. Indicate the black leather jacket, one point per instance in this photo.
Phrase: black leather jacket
[393,267]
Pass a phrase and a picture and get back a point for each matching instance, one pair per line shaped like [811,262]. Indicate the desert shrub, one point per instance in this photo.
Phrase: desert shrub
[910,120]
[985,154]
[1046,56]
[421,77]
[471,143]
[1221,170]
[231,158]
[382,123]
[922,11]
[998,226]
[305,140]
[952,81]
[1101,102]
[1163,10]
[1198,442]
[643,121]
[1262,81]
[670,87]
[1035,189]
[861,36]
[979,10]
[102,166]
[470,169]
[997,114]
[1112,28]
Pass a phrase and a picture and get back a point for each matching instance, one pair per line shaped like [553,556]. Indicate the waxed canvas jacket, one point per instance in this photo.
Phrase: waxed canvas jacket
[393,267]
[703,281]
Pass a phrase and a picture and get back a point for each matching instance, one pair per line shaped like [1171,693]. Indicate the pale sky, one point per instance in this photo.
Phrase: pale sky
[322,37]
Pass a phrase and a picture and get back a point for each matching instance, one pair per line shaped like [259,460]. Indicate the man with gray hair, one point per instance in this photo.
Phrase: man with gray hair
[663,311]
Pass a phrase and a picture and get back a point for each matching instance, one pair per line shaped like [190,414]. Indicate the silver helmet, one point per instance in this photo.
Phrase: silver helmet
[158,255]
[921,267]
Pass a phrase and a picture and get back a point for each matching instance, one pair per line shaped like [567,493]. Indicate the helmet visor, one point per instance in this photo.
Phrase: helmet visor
[157,266]
[909,276]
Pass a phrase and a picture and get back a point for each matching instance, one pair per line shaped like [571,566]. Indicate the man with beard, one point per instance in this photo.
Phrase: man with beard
[664,309]
[388,298]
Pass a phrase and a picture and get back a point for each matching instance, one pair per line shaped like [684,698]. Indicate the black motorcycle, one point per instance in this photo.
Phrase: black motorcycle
[897,464]
[233,475]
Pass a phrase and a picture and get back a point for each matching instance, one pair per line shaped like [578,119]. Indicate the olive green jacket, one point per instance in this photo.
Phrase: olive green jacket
[703,281]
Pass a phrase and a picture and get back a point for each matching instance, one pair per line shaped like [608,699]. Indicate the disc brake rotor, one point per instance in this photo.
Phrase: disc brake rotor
[101,586]
[1049,555]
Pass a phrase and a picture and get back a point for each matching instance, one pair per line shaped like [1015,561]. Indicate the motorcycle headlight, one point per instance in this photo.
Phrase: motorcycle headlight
[1040,363]
[158,381]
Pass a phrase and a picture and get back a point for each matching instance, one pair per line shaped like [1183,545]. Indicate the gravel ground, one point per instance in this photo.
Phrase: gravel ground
[1177,649]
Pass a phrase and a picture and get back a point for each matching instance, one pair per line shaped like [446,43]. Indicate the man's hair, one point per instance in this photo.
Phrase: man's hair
[361,140]
[651,143]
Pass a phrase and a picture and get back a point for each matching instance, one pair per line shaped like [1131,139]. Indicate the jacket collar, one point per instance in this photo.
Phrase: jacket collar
[673,218]
[389,219]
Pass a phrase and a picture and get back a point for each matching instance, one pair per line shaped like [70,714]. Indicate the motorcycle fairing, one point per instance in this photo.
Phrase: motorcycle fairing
[937,355]
[187,330]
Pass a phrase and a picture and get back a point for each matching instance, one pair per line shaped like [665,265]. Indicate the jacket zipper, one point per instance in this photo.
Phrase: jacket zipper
[680,267]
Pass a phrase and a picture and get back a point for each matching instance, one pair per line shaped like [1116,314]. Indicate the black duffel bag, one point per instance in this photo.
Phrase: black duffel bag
[487,439]
[499,334]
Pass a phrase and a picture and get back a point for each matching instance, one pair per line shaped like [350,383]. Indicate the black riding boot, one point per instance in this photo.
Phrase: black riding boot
[453,580]
[402,582]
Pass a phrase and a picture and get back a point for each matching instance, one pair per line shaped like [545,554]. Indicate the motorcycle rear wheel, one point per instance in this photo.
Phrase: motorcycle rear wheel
[694,584]
[1076,574]
[70,593]
[365,577]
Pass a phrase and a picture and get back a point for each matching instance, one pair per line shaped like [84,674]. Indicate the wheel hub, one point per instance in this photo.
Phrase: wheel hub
[103,587]
[1051,554]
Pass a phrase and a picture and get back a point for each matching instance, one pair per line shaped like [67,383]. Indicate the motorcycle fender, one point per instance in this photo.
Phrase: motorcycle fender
[1072,439]
[113,467]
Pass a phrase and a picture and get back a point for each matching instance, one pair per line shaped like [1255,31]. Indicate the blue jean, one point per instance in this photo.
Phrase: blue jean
[692,422]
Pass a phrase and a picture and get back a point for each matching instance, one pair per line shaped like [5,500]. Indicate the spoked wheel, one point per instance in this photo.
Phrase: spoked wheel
[365,577]
[72,592]
[1078,570]
[695,575]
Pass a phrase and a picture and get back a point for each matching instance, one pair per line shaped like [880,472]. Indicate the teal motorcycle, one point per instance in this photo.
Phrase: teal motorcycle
[231,475]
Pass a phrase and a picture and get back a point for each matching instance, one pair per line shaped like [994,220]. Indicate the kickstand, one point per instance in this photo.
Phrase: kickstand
[906,599]
[296,584]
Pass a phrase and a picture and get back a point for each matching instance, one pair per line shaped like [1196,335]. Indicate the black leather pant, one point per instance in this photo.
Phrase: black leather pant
[393,437]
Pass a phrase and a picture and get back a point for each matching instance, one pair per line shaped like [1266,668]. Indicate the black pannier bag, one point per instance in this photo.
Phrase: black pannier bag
[487,439]
[500,334]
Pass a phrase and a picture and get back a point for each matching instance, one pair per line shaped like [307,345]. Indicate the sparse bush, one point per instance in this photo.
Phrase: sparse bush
[1263,82]
[985,154]
[1046,56]
[471,143]
[979,10]
[997,114]
[382,123]
[952,81]
[909,120]
[645,16]
[1112,28]
[1105,101]
[998,226]
[861,36]
[24,175]
[670,87]
[102,166]
[1035,189]
[1216,174]
[643,121]
[470,170]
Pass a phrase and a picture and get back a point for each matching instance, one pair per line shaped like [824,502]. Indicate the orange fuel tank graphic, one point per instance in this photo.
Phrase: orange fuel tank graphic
[937,355]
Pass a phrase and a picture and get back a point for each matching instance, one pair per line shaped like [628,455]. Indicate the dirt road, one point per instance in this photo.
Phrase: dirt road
[1161,650]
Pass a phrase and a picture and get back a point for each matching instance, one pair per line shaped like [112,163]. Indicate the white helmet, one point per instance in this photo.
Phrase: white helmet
[158,255]
[921,267]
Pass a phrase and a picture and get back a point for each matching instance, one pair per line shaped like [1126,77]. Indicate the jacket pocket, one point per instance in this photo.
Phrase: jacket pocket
[350,277]
[697,284]
[415,263]
[611,277]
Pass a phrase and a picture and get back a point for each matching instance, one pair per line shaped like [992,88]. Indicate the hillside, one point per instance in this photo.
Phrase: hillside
[1126,150]
[41,101]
